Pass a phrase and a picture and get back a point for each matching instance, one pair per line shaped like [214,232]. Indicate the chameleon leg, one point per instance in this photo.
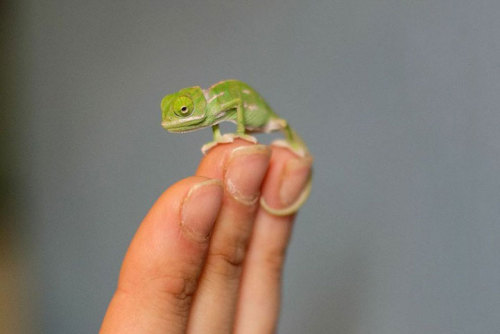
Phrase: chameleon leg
[216,132]
[292,141]
[229,137]
[223,139]
[240,119]
[240,125]
[218,139]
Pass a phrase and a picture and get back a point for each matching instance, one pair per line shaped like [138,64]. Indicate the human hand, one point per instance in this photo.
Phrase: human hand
[206,258]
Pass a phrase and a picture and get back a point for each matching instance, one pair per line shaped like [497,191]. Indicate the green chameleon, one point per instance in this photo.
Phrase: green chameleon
[194,108]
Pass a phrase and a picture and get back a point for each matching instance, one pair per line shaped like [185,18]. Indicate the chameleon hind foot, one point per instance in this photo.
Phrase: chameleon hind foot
[226,138]
[301,151]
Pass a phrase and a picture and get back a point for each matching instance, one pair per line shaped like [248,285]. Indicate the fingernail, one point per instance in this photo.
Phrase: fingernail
[200,208]
[295,176]
[245,170]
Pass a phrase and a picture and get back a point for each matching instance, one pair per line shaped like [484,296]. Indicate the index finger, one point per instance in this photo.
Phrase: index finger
[160,271]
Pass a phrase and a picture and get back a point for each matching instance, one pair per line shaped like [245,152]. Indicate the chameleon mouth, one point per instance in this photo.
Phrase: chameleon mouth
[170,128]
[182,126]
[180,129]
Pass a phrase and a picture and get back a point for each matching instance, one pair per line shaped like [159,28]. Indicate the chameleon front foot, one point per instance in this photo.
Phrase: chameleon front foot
[224,139]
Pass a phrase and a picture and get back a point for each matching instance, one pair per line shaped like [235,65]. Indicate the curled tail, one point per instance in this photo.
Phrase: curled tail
[293,208]
[294,143]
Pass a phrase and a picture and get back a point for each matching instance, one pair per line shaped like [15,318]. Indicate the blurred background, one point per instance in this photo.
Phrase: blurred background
[399,101]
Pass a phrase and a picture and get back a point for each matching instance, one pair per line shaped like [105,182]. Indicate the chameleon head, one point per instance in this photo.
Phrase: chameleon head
[183,111]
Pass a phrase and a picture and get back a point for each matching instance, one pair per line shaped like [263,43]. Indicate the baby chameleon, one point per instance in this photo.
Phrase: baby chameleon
[234,101]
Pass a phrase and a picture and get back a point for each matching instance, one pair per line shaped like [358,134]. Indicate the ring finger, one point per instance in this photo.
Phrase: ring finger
[258,307]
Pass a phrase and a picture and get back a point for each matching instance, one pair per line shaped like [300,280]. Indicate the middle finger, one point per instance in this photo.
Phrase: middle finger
[242,167]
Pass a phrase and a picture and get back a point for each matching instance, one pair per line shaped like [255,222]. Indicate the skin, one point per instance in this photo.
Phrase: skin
[207,258]
[193,108]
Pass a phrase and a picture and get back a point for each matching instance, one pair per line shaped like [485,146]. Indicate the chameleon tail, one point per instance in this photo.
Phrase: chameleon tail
[294,143]
[292,208]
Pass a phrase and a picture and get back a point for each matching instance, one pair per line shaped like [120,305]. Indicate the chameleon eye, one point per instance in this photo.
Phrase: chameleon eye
[183,106]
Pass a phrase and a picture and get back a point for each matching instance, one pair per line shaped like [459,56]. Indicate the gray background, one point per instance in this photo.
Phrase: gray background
[398,101]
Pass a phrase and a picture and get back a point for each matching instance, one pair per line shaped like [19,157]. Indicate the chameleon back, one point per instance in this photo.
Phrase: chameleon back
[257,112]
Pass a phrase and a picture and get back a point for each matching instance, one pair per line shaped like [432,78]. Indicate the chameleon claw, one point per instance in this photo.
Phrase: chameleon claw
[208,146]
[300,151]
[226,138]
[221,140]
[249,138]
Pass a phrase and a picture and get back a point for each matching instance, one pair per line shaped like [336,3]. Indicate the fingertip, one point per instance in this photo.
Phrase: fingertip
[286,178]
[212,164]
[168,206]
[244,172]
[200,207]
[296,173]
[175,228]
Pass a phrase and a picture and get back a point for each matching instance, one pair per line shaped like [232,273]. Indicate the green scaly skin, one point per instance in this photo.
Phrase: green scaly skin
[234,101]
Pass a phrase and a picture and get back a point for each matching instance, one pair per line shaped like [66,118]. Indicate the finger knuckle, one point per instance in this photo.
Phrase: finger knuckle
[273,260]
[179,288]
[228,261]
[176,290]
